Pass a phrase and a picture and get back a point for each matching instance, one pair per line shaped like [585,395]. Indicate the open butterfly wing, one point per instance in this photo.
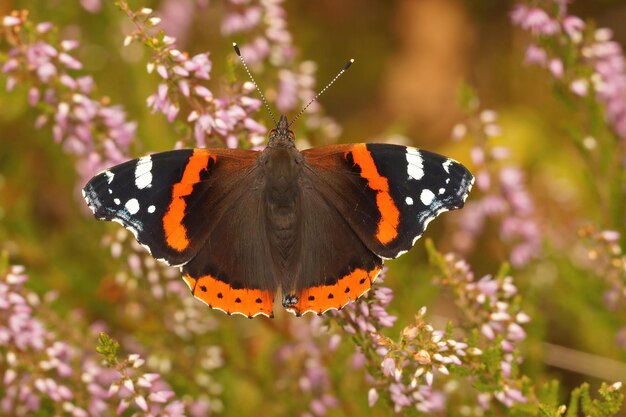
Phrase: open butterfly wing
[387,193]
[171,200]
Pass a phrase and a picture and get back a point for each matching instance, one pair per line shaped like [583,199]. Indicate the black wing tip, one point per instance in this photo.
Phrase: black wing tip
[466,182]
[91,198]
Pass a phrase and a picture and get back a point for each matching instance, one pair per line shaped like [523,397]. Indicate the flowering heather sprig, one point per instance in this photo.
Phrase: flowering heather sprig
[606,259]
[370,313]
[408,368]
[489,305]
[184,316]
[145,393]
[143,278]
[37,366]
[264,22]
[226,120]
[504,195]
[303,362]
[403,371]
[94,131]
[586,60]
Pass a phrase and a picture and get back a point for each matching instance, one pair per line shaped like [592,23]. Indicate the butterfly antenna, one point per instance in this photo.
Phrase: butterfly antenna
[344,69]
[238,52]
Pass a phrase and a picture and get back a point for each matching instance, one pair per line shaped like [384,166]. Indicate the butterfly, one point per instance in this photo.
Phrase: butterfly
[315,224]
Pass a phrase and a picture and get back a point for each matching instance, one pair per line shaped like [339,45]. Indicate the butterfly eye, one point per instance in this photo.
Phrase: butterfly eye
[272,132]
[292,135]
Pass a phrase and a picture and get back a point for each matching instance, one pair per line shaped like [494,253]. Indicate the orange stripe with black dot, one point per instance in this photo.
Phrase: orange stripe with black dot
[389,213]
[175,231]
[325,297]
[220,295]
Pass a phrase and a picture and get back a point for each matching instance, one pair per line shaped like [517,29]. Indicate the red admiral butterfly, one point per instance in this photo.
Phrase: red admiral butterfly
[316,224]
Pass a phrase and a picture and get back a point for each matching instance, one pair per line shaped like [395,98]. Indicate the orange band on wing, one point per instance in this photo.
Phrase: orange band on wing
[325,297]
[218,294]
[389,213]
[175,231]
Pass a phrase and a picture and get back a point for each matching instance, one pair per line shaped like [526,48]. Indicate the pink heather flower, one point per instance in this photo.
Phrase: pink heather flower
[537,20]
[602,55]
[535,55]
[483,180]
[43,27]
[242,22]
[8,21]
[556,67]
[177,17]
[580,87]
[388,366]
[92,6]
[372,397]
[574,26]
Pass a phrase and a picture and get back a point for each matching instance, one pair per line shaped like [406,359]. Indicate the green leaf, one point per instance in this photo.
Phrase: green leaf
[572,409]
[109,348]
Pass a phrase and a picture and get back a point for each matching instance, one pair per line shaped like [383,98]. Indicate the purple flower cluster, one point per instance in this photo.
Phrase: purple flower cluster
[409,366]
[504,195]
[403,371]
[143,278]
[90,129]
[490,305]
[226,120]
[604,256]
[264,22]
[303,363]
[36,366]
[98,135]
[601,68]
[146,393]
[369,314]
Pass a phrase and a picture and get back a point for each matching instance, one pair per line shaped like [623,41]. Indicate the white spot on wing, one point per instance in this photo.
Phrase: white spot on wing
[151,209]
[132,206]
[442,190]
[117,201]
[109,176]
[427,197]
[143,173]
[409,201]
[415,167]
[446,165]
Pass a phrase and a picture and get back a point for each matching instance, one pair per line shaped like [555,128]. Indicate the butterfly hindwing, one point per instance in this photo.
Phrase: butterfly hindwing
[332,266]
[309,251]
[157,197]
[388,193]
[233,269]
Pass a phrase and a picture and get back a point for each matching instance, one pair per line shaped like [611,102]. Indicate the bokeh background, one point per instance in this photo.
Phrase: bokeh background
[412,59]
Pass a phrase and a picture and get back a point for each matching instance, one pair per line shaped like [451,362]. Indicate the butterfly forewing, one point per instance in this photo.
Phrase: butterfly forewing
[169,200]
[388,193]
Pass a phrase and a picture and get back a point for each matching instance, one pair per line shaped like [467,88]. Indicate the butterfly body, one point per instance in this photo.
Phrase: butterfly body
[315,224]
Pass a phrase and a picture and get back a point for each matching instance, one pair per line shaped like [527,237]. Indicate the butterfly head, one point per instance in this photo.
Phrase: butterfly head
[281,136]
